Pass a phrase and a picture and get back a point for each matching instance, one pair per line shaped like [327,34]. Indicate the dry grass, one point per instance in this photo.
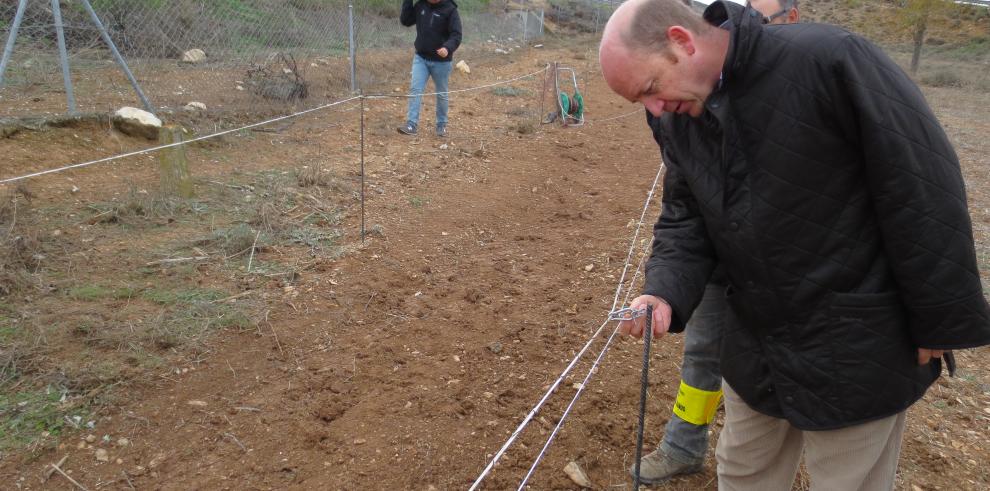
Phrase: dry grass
[20,244]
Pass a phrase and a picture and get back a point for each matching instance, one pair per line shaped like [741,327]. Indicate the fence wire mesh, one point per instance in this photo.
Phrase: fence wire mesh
[261,57]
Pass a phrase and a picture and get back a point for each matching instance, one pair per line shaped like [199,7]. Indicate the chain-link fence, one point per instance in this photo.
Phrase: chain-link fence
[238,57]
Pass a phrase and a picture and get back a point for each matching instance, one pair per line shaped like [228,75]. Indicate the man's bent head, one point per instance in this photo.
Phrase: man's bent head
[662,54]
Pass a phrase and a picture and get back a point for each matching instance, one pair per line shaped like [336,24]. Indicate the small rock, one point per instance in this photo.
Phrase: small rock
[501,51]
[495,347]
[102,455]
[573,471]
[457,358]
[360,441]
[120,461]
[197,403]
[194,56]
[915,487]
[589,267]
[463,67]
[578,386]
[136,122]
[488,395]
[240,87]
[537,45]
[443,147]
[409,404]
[123,442]
[195,106]
[90,438]
[56,233]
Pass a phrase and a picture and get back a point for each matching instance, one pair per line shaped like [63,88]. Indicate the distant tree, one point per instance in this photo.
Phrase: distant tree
[915,15]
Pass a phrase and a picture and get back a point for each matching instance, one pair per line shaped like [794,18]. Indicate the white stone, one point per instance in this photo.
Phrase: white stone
[136,122]
[194,56]
[195,106]
[501,51]
[574,471]
[463,67]
[102,455]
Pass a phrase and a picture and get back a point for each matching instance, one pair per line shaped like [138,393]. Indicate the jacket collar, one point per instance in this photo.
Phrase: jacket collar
[745,26]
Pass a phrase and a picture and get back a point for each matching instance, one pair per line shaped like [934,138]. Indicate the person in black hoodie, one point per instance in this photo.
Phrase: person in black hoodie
[438,35]
[807,164]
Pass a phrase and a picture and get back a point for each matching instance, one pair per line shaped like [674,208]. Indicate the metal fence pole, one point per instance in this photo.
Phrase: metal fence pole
[352,48]
[525,18]
[12,38]
[116,55]
[542,13]
[63,57]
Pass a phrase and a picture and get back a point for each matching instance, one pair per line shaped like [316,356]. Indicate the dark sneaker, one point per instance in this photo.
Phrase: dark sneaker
[407,129]
[442,131]
[658,467]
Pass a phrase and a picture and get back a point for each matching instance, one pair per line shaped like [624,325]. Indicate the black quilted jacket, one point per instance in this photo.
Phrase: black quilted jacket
[821,180]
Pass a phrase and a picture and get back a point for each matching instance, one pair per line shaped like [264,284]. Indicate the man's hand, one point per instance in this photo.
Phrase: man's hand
[443,52]
[661,317]
[925,355]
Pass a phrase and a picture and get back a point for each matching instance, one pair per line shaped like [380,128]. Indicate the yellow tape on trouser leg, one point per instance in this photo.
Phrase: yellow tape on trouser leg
[696,406]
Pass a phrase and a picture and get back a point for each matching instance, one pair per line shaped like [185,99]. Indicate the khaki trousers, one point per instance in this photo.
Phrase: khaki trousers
[757,452]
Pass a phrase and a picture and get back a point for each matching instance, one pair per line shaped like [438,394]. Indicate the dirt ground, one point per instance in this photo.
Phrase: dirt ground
[406,362]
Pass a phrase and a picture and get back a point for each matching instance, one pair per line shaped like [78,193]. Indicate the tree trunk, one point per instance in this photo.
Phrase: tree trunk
[174,167]
[919,41]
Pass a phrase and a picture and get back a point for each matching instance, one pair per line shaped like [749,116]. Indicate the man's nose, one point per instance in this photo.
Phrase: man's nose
[655,106]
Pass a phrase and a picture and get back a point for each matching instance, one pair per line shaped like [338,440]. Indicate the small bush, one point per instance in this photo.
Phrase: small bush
[509,91]
[524,128]
[942,78]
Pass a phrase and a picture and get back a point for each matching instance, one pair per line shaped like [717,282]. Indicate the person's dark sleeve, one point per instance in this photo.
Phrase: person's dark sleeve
[408,15]
[454,28]
[919,198]
[682,257]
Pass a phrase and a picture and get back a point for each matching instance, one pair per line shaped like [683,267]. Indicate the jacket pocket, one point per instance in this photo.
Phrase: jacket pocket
[851,302]
[875,362]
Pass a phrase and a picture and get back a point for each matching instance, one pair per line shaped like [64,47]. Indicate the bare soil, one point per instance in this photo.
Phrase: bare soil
[404,362]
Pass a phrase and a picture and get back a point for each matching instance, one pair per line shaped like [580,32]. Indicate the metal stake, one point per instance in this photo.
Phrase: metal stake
[12,38]
[116,55]
[525,22]
[647,335]
[362,170]
[351,47]
[63,57]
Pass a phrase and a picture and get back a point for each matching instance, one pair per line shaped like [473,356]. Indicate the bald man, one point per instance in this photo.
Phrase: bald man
[777,11]
[808,165]
[684,447]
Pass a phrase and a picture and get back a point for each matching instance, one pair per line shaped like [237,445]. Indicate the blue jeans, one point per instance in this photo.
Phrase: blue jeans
[422,69]
[686,442]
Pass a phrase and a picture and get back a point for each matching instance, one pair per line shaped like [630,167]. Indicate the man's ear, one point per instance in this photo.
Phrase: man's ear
[681,39]
[793,16]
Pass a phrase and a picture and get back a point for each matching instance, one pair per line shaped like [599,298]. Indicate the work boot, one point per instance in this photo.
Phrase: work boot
[407,129]
[442,130]
[658,467]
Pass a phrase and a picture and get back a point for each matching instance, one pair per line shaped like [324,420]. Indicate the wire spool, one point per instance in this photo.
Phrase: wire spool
[579,105]
[572,107]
